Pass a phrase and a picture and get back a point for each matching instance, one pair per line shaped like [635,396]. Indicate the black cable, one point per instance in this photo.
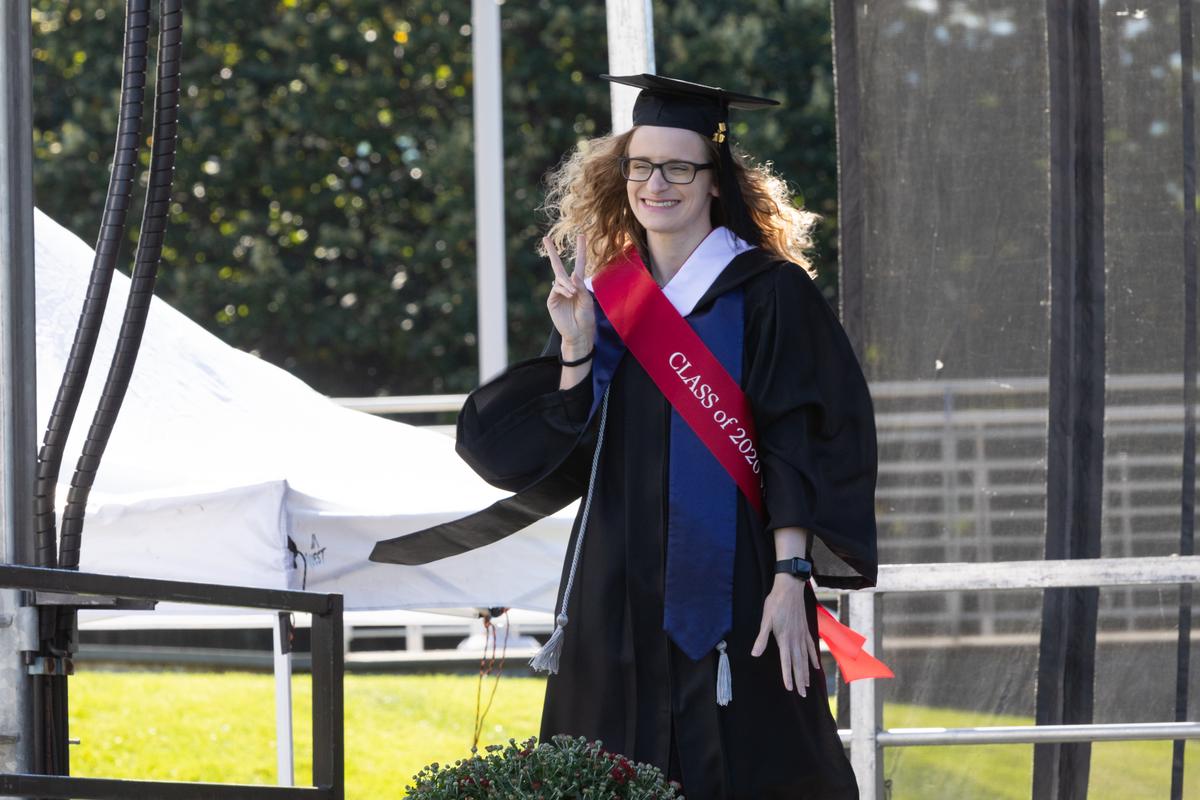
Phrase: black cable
[108,243]
[145,272]
[51,749]
[295,551]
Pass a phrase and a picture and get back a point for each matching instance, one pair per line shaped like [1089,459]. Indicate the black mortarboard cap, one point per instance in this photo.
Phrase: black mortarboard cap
[672,103]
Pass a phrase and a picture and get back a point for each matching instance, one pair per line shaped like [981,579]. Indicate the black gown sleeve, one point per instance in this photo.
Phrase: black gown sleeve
[816,426]
[522,434]
[518,426]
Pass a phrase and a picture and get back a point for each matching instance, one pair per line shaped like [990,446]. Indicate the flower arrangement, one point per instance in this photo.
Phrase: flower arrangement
[564,768]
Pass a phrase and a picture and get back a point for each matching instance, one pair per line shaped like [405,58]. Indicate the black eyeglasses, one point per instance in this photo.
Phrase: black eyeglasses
[639,169]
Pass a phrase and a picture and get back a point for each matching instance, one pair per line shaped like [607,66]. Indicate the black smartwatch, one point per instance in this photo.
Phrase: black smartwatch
[797,567]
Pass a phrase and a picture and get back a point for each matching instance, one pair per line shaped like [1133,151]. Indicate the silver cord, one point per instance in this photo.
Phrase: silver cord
[546,659]
[587,505]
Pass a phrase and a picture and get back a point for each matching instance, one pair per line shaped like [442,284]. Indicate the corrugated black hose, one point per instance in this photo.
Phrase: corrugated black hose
[58,624]
[108,244]
[51,752]
[145,272]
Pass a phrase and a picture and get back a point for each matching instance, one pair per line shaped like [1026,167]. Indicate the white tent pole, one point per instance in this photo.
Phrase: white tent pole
[284,761]
[18,443]
[489,188]
[630,52]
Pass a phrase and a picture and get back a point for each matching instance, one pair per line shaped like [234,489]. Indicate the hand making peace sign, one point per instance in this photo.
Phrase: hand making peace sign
[570,303]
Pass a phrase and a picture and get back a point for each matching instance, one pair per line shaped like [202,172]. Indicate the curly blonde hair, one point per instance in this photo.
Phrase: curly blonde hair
[586,195]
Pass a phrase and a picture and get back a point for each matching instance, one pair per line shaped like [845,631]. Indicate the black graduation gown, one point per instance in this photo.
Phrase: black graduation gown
[621,679]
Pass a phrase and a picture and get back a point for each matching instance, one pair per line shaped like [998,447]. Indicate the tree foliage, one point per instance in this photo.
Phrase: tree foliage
[323,206]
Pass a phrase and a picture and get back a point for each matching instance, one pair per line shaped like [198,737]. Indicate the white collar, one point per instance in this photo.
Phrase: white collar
[701,268]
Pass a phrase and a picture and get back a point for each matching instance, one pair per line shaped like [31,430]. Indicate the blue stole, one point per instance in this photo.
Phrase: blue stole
[701,495]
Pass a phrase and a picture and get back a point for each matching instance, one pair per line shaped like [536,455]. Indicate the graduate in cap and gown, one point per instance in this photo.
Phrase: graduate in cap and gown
[687,626]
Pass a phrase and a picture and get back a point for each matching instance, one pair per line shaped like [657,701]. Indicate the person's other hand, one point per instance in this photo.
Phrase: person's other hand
[785,617]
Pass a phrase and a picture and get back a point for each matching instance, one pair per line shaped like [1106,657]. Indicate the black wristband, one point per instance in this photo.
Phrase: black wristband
[577,361]
[798,567]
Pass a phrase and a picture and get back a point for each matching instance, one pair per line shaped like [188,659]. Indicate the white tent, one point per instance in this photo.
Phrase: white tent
[218,458]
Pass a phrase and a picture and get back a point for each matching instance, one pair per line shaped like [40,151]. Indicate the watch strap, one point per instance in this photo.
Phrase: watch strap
[800,567]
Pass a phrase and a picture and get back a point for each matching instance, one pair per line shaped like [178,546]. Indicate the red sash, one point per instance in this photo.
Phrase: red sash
[683,369]
[712,404]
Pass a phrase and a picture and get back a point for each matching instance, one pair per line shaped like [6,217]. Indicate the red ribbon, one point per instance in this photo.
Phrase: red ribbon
[846,646]
[713,405]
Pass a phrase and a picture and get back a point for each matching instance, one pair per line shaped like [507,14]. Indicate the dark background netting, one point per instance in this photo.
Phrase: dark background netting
[954,122]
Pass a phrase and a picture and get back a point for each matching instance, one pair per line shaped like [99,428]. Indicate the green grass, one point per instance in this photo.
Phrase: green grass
[221,727]
[1119,770]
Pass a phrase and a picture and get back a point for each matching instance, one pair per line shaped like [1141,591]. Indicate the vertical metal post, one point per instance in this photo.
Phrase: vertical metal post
[414,639]
[328,662]
[951,535]
[1075,434]
[284,761]
[630,52]
[981,500]
[18,398]
[1191,246]
[866,703]
[852,184]
[490,241]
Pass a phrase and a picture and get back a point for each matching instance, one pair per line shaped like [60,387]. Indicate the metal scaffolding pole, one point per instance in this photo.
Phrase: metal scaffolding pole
[490,242]
[18,416]
[630,52]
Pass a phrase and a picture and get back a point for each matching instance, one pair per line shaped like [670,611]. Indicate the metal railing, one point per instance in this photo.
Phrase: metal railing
[327,692]
[866,737]
[410,404]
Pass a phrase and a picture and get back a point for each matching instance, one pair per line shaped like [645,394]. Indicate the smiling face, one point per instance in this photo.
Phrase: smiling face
[672,209]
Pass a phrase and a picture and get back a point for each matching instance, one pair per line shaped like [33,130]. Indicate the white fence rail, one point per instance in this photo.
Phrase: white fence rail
[867,738]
